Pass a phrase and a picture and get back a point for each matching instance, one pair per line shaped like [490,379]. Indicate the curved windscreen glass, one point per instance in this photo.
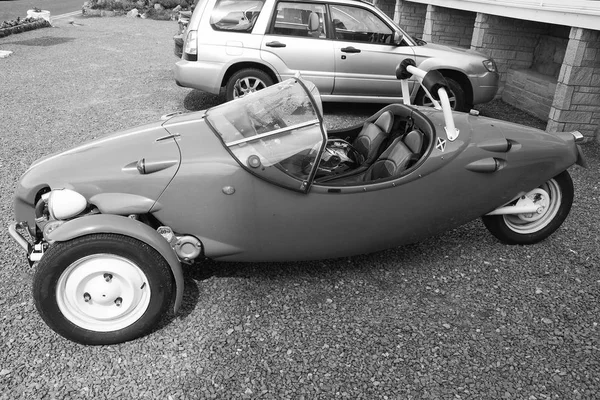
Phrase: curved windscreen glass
[276,132]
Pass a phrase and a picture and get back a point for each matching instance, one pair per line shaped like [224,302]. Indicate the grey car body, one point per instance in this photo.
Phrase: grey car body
[245,181]
[350,55]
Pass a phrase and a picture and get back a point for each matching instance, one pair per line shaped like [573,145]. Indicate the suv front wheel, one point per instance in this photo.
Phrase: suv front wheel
[456,94]
[246,81]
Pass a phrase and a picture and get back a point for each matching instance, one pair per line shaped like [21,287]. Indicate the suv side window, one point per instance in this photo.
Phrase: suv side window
[356,24]
[293,19]
[238,16]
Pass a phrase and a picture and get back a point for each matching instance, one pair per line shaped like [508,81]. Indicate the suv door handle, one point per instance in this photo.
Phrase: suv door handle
[275,44]
[350,50]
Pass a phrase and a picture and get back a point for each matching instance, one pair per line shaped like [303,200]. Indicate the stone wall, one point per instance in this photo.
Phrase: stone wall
[530,91]
[448,26]
[576,103]
[410,16]
[387,6]
[510,42]
[550,51]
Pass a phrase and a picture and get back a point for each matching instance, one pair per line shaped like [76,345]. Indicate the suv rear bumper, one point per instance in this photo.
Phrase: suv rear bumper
[202,75]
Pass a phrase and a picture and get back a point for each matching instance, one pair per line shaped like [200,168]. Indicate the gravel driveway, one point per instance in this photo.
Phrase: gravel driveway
[459,316]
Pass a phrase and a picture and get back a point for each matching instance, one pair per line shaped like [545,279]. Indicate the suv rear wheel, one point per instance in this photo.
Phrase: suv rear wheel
[246,81]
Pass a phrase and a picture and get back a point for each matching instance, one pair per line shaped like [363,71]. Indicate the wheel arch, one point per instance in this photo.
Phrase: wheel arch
[248,64]
[462,80]
[106,223]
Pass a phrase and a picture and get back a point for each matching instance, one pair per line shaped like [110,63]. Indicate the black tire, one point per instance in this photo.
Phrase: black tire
[458,100]
[246,81]
[78,284]
[511,229]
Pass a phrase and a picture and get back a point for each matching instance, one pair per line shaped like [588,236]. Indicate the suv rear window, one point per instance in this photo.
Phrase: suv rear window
[292,19]
[239,16]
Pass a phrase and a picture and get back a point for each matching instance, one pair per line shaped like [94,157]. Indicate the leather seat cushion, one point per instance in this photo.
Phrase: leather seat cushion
[391,163]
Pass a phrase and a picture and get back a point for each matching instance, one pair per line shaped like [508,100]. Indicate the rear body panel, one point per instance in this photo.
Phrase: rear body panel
[264,222]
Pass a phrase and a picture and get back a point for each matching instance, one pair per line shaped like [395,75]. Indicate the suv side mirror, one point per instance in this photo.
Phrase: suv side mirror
[398,37]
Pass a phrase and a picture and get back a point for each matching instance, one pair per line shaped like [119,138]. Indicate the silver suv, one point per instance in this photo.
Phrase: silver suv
[348,48]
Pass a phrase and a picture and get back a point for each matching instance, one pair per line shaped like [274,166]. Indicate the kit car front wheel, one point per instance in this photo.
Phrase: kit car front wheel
[102,288]
[554,197]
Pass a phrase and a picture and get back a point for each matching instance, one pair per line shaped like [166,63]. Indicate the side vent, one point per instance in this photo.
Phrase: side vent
[486,165]
[145,167]
[499,145]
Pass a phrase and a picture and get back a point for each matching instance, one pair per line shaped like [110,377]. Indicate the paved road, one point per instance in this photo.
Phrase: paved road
[10,9]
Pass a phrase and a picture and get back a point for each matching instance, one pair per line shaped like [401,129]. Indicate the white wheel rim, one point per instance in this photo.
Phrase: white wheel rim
[103,293]
[247,85]
[549,198]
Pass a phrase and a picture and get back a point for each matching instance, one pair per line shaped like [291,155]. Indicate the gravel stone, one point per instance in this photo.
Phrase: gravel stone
[457,316]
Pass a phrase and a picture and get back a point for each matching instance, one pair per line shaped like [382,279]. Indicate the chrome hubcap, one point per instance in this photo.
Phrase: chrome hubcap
[103,293]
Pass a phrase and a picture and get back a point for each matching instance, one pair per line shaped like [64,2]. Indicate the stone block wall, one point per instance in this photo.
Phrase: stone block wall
[530,91]
[550,51]
[448,26]
[387,6]
[576,103]
[410,16]
[511,42]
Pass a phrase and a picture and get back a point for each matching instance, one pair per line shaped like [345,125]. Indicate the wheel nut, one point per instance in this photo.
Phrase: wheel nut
[108,277]
[87,297]
[118,301]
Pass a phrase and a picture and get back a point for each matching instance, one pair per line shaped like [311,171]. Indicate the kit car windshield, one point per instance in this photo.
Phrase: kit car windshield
[272,133]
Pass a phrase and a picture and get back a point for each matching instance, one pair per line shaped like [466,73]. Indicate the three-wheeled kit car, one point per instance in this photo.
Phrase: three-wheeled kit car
[111,222]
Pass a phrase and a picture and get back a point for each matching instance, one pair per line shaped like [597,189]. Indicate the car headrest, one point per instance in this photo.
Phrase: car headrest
[391,162]
[385,121]
[313,22]
[414,141]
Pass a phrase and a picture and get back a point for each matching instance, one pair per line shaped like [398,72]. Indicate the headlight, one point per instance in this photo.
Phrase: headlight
[490,65]
[64,203]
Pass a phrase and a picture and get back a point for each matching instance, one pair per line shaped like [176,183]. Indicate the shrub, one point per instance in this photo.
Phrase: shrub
[172,3]
[158,14]
[140,4]
[19,25]
[112,5]
[145,7]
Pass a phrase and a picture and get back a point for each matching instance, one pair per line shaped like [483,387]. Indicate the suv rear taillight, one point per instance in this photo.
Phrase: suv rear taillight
[190,48]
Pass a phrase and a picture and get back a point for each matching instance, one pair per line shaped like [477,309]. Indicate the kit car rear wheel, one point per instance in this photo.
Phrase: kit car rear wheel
[102,288]
[555,198]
